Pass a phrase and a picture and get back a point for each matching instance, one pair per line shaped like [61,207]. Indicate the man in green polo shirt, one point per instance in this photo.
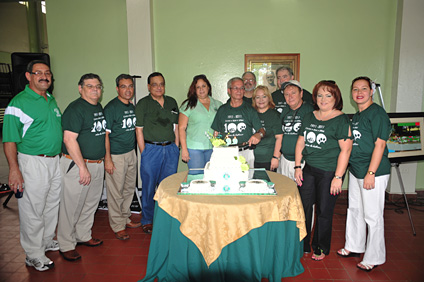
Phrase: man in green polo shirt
[120,158]
[32,136]
[238,119]
[83,150]
[284,74]
[157,139]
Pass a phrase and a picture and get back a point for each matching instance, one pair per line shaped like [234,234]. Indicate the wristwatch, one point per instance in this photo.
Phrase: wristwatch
[337,177]
[371,172]
[275,157]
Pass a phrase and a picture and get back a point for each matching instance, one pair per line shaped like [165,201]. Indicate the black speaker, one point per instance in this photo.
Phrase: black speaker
[20,62]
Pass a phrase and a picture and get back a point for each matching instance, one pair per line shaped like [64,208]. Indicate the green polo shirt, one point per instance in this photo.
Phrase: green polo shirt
[291,121]
[280,101]
[271,123]
[33,123]
[237,122]
[322,140]
[89,122]
[120,123]
[157,121]
[199,122]
[367,126]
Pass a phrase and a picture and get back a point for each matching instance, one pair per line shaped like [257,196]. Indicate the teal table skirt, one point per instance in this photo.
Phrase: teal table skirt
[272,251]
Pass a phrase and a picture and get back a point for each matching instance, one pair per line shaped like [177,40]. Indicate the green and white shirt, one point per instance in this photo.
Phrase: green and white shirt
[265,148]
[33,123]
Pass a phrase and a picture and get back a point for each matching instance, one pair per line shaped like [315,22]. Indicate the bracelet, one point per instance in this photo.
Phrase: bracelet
[298,166]
[274,157]
[337,177]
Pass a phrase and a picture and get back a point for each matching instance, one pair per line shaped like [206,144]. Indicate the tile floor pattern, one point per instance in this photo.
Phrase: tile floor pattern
[126,260]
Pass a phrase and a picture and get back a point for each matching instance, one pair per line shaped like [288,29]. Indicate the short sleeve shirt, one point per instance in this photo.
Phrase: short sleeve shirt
[157,121]
[238,122]
[280,101]
[291,121]
[322,140]
[367,126]
[120,123]
[199,122]
[33,123]
[89,123]
[265,148]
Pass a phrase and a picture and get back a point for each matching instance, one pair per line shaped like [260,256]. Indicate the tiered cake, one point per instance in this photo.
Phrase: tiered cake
[225,174]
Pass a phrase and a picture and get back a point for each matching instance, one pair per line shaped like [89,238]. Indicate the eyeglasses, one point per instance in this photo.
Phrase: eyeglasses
[125,86]
[96,87]
[40,73]
[155,85]
[251,80]
[236,88]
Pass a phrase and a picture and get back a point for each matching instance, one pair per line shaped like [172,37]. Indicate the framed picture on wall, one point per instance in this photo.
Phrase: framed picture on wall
[265,65]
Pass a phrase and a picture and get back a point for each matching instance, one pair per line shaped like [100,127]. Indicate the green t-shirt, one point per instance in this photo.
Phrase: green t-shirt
[291,121]
[238,122]
[199,122]
[265,148]
[367,126]
[33,123]
[322,140]
[120,123]
[89,122]
[157,121]
[280,101]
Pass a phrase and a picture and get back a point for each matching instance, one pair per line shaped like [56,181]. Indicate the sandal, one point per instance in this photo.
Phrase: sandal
[346,254]
[365,266]
[318,256]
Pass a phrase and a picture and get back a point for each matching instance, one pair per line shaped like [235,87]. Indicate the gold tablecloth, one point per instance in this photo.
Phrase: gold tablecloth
[213,222]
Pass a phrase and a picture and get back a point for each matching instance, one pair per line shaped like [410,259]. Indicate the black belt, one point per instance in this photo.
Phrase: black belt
[158,143]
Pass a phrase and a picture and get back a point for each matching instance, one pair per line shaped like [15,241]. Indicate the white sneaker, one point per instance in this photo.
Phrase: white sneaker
[39,264]
[53,246]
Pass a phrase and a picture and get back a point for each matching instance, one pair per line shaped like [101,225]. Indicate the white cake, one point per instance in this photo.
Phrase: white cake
[223,175]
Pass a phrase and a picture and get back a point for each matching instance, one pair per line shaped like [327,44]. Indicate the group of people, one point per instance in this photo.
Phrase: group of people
[307,138]
[62,159]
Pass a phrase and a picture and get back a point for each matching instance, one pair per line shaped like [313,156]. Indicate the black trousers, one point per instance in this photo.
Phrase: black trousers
[316,190]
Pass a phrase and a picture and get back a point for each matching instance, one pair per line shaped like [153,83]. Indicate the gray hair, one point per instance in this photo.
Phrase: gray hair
[246,72]
[230,82]
[284,68]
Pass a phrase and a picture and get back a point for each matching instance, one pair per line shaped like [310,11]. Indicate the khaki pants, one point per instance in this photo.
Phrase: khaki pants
[39,205]
[78,204]
[120,188]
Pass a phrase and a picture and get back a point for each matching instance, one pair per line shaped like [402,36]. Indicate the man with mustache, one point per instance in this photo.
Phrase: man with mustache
[249,80]
[32,137]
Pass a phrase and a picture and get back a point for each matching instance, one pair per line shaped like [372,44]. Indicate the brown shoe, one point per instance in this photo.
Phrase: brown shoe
[133,224]
[122,235]
[147,228]
[71,255]
[91,243]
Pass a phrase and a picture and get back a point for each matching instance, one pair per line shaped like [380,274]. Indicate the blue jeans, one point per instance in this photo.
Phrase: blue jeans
[157,163]
[198,159]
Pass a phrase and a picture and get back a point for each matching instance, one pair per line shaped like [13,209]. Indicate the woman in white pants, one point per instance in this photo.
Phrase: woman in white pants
[368,177]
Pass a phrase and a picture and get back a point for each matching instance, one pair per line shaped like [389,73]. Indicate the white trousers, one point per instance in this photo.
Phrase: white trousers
[39,205]
[286,167]
[366,209]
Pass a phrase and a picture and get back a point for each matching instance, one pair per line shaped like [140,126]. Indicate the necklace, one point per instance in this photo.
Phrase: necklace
[327,116]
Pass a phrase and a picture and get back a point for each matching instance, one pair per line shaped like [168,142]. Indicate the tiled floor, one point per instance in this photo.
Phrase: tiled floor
[126,260]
